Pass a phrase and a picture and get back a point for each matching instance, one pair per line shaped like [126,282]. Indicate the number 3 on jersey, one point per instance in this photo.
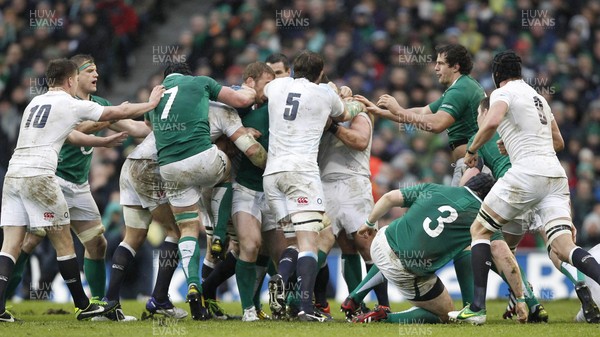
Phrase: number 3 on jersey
[441,220]
[291,109]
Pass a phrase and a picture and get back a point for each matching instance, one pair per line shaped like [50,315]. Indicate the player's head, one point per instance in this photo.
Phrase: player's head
[280,65]
[452,61]
[256,76]
[506,65]
[484,106]
[177,68]
[481,184]
[308,65]
[62,73]
[88,74]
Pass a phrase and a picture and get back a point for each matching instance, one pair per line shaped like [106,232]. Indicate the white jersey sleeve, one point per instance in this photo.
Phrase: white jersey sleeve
[46,123]
[526,129]
[223,119]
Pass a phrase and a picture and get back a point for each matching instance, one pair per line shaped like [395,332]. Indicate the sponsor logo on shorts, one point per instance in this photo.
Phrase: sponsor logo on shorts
[48,216]
[302,201]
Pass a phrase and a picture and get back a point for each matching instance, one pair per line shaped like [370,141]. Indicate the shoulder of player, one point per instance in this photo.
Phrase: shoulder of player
[100,100]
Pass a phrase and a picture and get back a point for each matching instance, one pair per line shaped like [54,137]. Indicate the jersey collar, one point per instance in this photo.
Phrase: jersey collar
[173,74]
[473,193]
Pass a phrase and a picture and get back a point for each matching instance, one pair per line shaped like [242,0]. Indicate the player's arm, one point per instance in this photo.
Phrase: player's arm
[557,139]
[487,129]
[81,139]
[237,98]
[244,141]
[351,108]
[357,136]
[422,118]
[132,110]
[383,205]
[137,129]
[91,127]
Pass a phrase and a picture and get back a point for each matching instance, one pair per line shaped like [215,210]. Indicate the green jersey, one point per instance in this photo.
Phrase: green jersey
[74,161]
[180,121]
[435,228]
[461,101]
[492,157]
[249,175]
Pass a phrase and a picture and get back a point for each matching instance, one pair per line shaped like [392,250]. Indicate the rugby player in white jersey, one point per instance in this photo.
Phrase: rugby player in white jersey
[32,197]
[298,111]
[535,181]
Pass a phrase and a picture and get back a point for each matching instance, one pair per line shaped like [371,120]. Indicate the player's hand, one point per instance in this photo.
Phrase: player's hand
[471,159]
[371,107]
[333,87]
[521,309]
[157,92]
[501,147]
[389,102]
[345,92]
[115,140]
[253,132]
[366,231]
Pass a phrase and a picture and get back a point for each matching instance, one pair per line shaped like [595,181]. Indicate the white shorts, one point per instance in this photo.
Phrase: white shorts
[82,206]
[292,192]
[516,192]
[254,203]
[141,185]
[184,179]
[33,202]
[409,284]
[348,203]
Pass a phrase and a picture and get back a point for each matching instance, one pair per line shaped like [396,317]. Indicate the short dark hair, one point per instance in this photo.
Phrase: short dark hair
[177,67]
[308,65]
[456,54]
[484,104]
[279,57]
[506,65]
[256,69]
[59,70]
[481,184]
[81,59]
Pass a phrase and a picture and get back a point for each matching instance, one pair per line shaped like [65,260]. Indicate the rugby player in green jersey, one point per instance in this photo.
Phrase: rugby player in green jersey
[188,160]
[73,172]
[412,248]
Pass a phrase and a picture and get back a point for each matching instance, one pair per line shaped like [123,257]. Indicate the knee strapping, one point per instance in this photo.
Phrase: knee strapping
[556,228]
[91,233]
[137,218]
[185,217]
[308,221]
[487,221]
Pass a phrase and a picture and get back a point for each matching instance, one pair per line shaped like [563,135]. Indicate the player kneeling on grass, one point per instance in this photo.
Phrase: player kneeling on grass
[31,190]
[412,248]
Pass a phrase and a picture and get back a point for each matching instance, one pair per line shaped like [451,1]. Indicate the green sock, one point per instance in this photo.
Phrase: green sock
[373,278]
[17,274]
[464,275]
[95,274]
[271,269]
[567,273]
[189,254]
[245,275]
[262,261]
[321,259]
[580,276]
[351,269]
[221,207]
[414,315]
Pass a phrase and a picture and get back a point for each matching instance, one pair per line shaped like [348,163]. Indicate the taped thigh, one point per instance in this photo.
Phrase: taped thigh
[307,221]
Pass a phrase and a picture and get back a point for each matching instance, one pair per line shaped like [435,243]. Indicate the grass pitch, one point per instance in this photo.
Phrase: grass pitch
[37,320]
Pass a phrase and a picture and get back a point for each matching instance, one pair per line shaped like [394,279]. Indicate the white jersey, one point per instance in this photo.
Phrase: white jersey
[336,160]
[46,123]
[223,119]
[298,111]
[526,130]
[146,149]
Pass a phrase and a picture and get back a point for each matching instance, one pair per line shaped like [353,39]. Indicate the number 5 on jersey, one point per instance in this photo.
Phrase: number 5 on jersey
[291,109]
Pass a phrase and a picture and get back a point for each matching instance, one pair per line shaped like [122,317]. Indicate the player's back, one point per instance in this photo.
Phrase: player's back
[298,111]
[435,228]
[180,121]
[526,129]
[46,123]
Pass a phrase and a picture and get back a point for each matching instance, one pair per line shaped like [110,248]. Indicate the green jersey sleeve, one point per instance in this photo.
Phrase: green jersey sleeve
[453,102]
[212,87]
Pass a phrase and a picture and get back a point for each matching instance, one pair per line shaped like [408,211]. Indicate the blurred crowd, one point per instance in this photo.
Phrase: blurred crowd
[373,46]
